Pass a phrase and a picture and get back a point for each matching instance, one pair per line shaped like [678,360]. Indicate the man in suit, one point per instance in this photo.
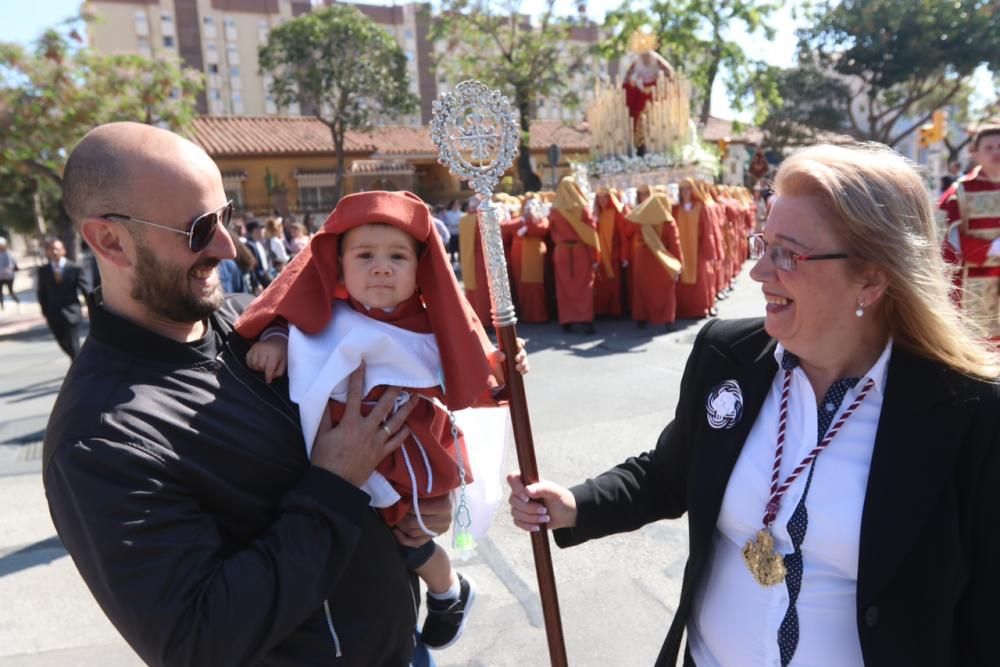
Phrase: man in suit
[59,284]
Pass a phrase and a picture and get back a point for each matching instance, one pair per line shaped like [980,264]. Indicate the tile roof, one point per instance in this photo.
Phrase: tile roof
[230,136]
[720,128]
[225,136]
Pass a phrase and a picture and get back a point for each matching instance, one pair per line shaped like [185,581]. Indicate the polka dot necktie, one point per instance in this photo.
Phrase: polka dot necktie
[788,631]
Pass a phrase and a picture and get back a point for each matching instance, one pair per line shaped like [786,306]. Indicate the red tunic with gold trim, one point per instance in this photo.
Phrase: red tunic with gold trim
[972,205]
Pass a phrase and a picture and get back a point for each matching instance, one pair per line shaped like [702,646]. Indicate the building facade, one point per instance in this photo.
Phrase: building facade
[220,38]
[289,163]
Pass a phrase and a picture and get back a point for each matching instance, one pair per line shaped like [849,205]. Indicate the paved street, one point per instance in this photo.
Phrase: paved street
[594,401]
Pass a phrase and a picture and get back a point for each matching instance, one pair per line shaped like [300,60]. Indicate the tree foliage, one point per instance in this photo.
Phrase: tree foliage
[52,95]
[901,60]
[492,41]
[339,64]
[808,102]
[697,37]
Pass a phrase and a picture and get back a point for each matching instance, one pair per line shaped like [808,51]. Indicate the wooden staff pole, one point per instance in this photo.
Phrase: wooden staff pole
[504,321]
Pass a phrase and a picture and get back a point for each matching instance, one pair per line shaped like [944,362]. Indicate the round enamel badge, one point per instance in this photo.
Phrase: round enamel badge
[724,406]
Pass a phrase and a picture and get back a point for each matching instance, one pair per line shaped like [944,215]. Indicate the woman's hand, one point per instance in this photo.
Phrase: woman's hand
[543,504]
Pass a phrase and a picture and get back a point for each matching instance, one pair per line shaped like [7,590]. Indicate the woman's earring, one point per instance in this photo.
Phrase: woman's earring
[860,312]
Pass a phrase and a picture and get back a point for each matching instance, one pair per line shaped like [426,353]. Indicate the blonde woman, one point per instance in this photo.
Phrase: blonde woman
[839,460]
[274,235]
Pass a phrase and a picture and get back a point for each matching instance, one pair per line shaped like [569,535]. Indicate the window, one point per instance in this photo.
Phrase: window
[234,71]
[213,68]
[294,110]
[211,53]
[208,29]
[269,105]
[263,30]
[167,24]
[229,24]
[141,23]
[238,103]
[168,41]
[408,34]
[235,82]
[144,47]
[232,55]
[234,192]
[215,94]
[316,199]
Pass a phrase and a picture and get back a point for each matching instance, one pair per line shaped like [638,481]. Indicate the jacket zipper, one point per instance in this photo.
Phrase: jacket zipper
[243,382]
[333,630]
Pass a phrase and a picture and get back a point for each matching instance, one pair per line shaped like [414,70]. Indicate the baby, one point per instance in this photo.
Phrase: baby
[375,287]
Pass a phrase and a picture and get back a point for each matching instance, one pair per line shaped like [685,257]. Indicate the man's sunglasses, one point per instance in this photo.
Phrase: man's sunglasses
[200,232]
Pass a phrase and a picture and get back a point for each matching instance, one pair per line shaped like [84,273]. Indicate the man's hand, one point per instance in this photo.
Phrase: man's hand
[354,447]
[436,513]
[269,356]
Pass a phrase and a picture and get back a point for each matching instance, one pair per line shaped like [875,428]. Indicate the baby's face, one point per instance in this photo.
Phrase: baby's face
[379,265]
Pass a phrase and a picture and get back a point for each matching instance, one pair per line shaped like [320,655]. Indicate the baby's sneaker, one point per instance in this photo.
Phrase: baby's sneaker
[446,618]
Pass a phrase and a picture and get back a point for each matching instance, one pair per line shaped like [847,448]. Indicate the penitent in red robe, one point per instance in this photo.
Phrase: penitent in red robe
[474,281]
[697,283]
[612,228]
[527,260]
[574,267]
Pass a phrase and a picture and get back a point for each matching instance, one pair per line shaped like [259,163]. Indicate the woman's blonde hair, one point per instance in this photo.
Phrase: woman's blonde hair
[271,228]
[878,206]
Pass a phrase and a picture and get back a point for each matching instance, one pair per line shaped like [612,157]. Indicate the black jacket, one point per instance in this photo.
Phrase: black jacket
[928,575]
[61,300]
[179,483]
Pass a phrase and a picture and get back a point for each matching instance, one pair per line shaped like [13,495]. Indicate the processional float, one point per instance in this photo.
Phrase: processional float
[477,121]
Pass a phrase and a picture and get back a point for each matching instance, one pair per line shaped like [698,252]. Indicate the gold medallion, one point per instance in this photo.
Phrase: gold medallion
[766,566]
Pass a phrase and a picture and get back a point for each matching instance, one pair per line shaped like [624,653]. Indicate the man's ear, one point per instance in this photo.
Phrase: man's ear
[105,239]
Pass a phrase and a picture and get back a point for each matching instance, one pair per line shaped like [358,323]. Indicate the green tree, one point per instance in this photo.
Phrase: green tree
[808,102]
[344,68]
[492,41]
[697,37]
[901,60]
[52,95]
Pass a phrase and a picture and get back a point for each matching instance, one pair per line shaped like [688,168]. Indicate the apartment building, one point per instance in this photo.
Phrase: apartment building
[221,37]
[217,37]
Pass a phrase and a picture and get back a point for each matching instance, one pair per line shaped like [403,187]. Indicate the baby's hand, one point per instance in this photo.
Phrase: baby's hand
[269,356]
[520,361]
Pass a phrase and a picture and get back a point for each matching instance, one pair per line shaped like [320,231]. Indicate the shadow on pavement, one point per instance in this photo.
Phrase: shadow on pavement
[39,553]
[36,390]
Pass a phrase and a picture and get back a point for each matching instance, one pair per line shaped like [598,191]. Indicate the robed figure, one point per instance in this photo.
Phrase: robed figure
[527,260]
[696,286]
[470,255]
[657,260]
[612,229]
[640,83]
[577,254]
[972,206]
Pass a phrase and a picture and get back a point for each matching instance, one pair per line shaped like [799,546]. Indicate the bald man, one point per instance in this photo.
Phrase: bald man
[176,477]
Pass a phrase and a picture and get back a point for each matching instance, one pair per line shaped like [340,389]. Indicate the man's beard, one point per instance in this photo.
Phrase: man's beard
[165,291]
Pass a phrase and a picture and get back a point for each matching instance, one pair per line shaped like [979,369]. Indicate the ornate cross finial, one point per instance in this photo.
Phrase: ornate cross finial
[476,120]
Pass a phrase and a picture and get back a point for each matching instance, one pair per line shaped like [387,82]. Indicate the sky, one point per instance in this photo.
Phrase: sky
[23,20]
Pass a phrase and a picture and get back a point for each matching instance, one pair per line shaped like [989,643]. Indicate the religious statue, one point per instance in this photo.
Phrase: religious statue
[641,80]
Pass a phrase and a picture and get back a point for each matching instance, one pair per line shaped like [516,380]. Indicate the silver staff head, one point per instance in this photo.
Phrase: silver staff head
[477,122]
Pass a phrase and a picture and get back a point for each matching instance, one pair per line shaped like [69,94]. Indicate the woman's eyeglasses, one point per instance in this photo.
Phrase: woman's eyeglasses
[783,258]
[201,231]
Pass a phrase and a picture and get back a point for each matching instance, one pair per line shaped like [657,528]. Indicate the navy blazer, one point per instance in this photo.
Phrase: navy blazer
[929,561]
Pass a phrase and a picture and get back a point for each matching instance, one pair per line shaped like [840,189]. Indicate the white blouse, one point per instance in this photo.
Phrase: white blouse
[735,620]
